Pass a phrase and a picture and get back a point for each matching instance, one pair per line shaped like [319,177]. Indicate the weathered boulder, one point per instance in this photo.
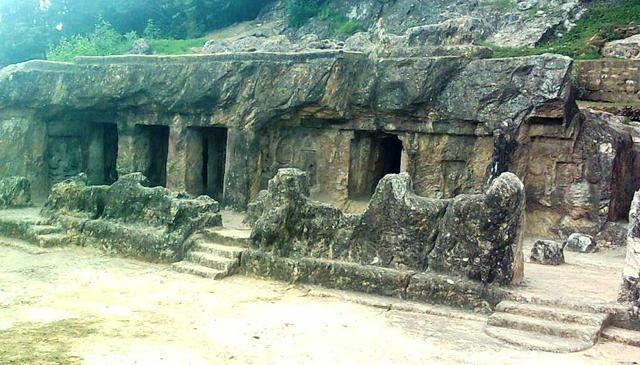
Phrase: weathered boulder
[478,236]
[481,235]
[630,291]
[15,192]
[579,242]
[628,48]
[547,252]
[287,223]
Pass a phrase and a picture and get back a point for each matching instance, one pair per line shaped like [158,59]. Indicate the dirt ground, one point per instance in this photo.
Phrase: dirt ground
[78,306]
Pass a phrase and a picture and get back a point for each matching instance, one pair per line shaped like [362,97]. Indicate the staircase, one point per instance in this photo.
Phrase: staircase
[546,328]
[25,227]
[215,254]
[47,235]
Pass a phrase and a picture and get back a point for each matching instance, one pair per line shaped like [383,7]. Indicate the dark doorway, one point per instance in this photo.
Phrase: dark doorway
[373,155]
[102,154]
[214,156]
[153,148]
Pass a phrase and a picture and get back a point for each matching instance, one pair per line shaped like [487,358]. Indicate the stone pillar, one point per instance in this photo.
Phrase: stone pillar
[176,157]
[194,181]
[242,147]
[96,158]
[127,152]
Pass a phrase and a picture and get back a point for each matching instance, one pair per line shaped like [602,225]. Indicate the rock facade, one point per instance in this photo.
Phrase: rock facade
[478,236]
[15,192]
[581,180]
[129,218]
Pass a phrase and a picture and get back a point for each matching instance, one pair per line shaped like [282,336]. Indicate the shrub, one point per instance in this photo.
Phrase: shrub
[299,11]
[104,41]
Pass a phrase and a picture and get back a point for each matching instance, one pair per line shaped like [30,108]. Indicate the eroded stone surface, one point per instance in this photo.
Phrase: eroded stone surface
[15,192]
[478,236]
[130,218]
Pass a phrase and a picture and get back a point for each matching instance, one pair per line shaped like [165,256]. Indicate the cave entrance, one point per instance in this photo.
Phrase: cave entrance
[154,148]
[373,155]
[214,156]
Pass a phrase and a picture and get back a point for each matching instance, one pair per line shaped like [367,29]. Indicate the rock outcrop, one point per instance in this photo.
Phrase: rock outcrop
[15,192]
[505,23]
[128,218]
[478,236]
[628,48]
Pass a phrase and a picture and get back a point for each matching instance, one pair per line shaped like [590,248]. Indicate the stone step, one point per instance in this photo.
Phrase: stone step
[186,267]
[41,229]
[536,341]
[228,237]
[229,252]
[51,239]
[621,335]
[213,261]
[552,313]
[545,327]
[21,245]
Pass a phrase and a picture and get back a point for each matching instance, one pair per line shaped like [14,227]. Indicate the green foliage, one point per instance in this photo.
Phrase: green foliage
[299,11]
[339,24]
[176,46]
[27,29]
[104,41]
[600,19]
[499,5]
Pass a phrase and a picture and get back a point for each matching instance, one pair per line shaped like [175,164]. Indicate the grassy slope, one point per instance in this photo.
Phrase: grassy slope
[599,19]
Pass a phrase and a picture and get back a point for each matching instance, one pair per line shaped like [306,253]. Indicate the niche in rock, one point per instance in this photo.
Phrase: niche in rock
[373,155]
[74,147]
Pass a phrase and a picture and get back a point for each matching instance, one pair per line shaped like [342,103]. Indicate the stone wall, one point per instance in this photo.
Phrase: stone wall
[609,80]
[478,236]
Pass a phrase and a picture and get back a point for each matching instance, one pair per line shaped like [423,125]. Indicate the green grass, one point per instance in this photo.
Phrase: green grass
[175,46]
[499,5]
[43,343]
[339,24]
[600,19]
